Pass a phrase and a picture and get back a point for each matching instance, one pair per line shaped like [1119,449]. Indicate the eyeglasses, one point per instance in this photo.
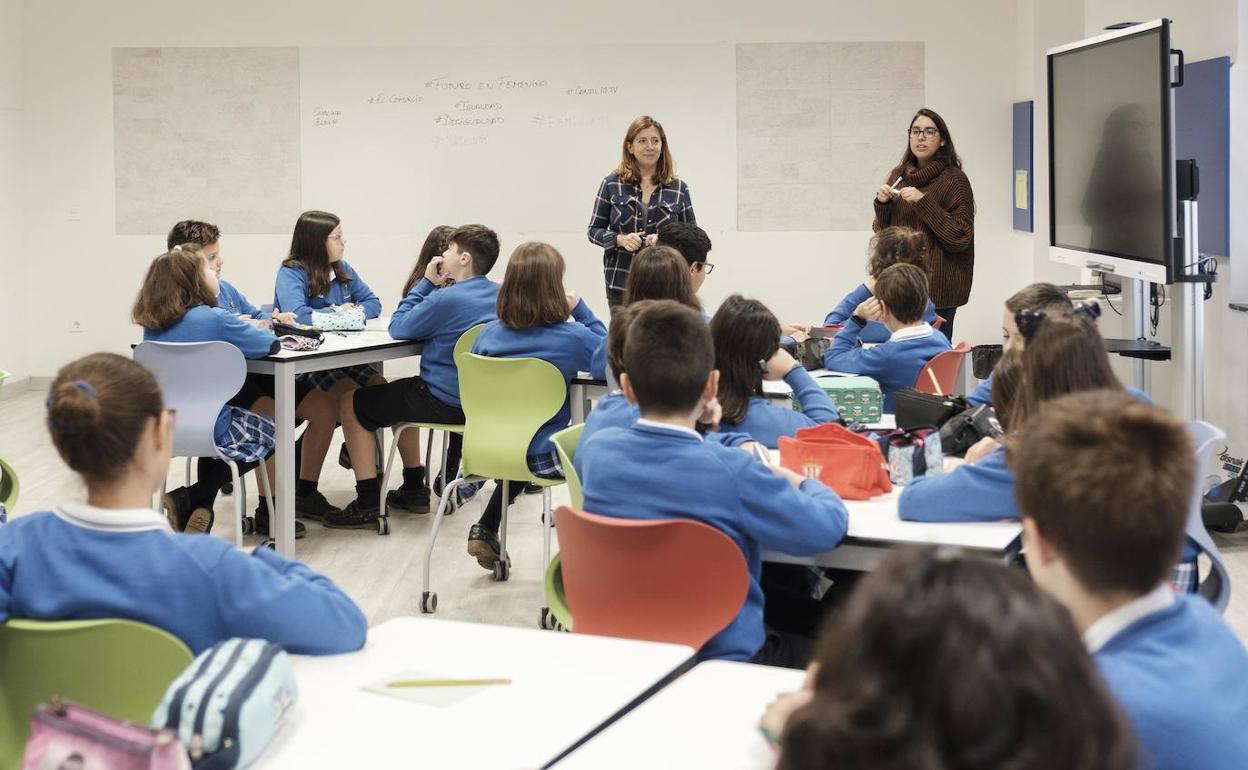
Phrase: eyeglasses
[1029,321]
[707,267]
[919,133]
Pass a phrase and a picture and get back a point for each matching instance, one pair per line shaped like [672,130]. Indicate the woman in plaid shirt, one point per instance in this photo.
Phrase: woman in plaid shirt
[635,200]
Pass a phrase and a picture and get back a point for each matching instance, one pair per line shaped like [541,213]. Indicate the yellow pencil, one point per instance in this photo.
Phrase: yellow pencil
[447,682]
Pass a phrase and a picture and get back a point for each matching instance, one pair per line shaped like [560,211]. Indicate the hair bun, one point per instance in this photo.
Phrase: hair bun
[73,408]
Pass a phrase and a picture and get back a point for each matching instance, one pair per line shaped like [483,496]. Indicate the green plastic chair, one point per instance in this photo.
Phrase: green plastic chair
[3,376]
[566,442]
[9,487]
[462,345]
[506,401]
[555,596]
[119,667]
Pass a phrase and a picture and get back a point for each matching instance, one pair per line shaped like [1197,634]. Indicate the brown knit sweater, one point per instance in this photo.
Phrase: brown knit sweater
[947,215]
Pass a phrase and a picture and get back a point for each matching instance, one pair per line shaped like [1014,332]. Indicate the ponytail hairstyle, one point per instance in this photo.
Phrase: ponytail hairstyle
[746,335]
[894,246]
[174,284]
[435,243]
[98,408]
[309,251]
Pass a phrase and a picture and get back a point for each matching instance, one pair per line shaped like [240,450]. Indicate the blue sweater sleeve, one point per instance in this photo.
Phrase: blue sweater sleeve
[592,335]
[290,295]
[980,492]
[846,355]
[252,340]
[266,596]
[982,394]
[362,295]
[814,402]
[245,305]
[729,439]
[842,312]
[8,556]
[930,315]
[598,365]
[799,522]
[418,316]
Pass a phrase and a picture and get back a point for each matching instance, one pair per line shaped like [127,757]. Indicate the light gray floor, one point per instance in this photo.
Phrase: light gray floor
[383,573]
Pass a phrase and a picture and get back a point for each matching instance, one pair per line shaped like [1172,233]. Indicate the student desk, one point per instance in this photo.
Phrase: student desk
[563,686]
[706,718]
[875,527]
[340,349]
[581,392]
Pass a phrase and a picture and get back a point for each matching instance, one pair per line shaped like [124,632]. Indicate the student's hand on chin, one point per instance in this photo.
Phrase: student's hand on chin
[779,365]
[574,299]
[778,712]
[868,309]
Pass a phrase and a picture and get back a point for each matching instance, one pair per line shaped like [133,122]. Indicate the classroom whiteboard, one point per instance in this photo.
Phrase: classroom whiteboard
[776,136]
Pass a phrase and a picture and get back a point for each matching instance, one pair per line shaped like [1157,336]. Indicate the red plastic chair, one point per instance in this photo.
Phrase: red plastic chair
[938,376]
[661,580]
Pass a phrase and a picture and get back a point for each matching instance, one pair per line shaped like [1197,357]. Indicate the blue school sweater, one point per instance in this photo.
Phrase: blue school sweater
[291,294]
[79,562]
[766,423]
[874,330]
[894,364]
[1180,675]
[614,411]
[231,299]
[568,345]
[440,317]
[205,324]
[654,471]
[983,491]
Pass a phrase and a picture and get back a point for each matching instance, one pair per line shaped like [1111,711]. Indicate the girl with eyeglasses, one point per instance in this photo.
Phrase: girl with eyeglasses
[928,191]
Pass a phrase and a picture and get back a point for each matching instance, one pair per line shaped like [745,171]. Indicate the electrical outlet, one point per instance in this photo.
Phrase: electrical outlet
[76,327]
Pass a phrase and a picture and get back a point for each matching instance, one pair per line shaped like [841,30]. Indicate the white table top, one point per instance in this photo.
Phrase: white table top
[706,718]
[376,335]
[563,686]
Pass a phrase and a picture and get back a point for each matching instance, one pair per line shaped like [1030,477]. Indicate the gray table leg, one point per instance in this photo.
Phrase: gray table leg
[283,522]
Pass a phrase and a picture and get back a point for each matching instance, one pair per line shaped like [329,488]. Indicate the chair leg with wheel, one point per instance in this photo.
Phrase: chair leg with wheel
[429,599]
[502,567]
[547,620]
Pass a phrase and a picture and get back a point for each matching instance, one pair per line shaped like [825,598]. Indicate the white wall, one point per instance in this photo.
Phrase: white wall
[13,350]
[95,273]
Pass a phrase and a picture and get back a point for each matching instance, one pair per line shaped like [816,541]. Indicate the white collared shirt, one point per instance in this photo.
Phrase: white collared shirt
[665,426]
[912,332]
[112,519]
[1116,621]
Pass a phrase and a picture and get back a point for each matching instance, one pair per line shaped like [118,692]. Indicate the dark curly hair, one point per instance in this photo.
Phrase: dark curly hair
[940,661]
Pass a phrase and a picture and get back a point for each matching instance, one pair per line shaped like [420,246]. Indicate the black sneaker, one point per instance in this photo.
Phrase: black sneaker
[314,507]
[353,516]
[177,508]
[410,500]
[262,523]
[200,521]
[483,544]
[532,489]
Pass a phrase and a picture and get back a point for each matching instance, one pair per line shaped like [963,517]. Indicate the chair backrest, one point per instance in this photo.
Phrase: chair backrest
[9,486]
[465,342]
[506,401]
[939,376]
[196,379]
[565,442]
[1216,587]
[664,580]
[119,667]
[556,598]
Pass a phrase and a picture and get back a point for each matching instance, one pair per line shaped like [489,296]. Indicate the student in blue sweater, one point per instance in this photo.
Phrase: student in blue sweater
[747,351]
[1104,483]
[662,468]
[957,660]
[1044,297]
[114,557]
[316,277]
[311,405]
[891,246]
[177,303]
[533,309]
[658,272]
[899,303]
[453,296]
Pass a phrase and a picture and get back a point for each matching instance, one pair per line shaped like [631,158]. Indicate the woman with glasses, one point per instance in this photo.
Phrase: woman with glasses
[641,195]
[928,191]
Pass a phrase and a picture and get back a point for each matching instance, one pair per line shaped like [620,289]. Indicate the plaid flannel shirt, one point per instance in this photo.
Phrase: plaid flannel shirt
[618,209]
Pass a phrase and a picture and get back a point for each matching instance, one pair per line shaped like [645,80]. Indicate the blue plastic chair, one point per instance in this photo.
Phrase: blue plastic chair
[1216,587]
[197,379]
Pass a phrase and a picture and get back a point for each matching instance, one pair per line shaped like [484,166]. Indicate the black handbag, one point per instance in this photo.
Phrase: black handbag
[984,359]
[809,352]
[915,409]
[964,430]
[283,329]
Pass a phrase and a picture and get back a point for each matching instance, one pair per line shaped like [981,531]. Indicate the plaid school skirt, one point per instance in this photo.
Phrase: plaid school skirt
[249,438]
[327,379]
[545,466]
